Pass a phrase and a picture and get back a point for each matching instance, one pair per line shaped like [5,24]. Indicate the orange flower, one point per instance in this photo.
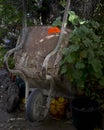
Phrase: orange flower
[53,30]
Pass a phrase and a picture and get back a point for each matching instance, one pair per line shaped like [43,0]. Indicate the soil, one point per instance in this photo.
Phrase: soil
[17,120]
[8,121]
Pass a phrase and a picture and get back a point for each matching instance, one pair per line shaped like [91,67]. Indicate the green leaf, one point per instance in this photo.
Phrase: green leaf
[70,58]
[98,74]
[73,48]
[57,22]
[88,42]
[82,22]
[101,82]
[83,54]
[90,55]
[65,51]
[74,19]
[95,24]
[100,52]
[96,64]
[80,65]
[63,69]
[77,74]
[83,30]
[63,3]
[80,84]
[75,38]
[94,37]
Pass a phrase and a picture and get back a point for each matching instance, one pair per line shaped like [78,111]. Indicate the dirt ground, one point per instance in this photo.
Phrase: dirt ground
[17,120]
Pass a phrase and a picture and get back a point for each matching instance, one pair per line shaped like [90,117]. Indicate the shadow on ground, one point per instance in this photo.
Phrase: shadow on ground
[18,121]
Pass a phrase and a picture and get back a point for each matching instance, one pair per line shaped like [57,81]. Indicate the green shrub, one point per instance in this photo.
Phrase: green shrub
[2,53]
[83,59]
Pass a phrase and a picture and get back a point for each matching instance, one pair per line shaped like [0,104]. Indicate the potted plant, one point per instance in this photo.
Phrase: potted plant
[83,62]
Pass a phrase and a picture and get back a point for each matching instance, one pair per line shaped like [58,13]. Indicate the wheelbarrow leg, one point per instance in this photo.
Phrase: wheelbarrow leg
[26,92]
[49,98]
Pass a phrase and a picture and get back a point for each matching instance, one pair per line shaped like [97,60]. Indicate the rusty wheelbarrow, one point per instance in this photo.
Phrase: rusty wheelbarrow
[37,56]
[29,60]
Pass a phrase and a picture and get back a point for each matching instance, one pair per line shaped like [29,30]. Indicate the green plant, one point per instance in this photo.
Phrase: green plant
[83,59]
[10,61]
[2,53]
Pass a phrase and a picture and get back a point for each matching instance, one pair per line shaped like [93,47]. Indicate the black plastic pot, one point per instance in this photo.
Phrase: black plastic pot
[85,113]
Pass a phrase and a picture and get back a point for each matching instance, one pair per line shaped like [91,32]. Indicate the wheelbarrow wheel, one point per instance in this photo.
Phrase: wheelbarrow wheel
[34,110]
[12,99]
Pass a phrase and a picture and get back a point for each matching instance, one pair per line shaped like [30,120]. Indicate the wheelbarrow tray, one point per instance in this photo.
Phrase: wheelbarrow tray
[29,59]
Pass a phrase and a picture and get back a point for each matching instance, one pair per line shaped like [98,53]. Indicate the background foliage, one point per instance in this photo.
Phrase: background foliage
[83,60]
[84,56]
[40,12]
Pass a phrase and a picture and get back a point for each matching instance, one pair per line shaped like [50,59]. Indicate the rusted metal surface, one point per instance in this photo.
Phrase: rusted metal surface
[37,46]
[29,59]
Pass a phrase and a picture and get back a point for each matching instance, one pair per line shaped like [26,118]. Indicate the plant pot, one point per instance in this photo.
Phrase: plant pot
[85,113]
